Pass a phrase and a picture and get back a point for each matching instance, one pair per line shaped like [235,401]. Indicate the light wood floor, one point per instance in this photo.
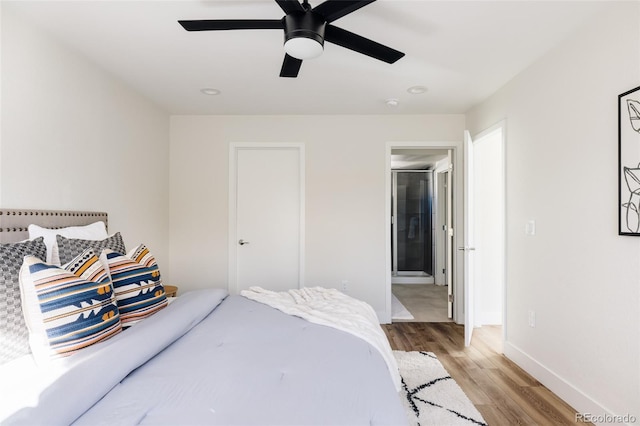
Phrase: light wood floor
[502,392]
[426,302]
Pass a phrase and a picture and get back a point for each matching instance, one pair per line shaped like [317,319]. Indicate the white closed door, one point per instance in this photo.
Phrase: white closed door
[266,244]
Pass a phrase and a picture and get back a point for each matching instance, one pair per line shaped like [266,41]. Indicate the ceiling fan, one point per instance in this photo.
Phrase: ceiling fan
[305,31]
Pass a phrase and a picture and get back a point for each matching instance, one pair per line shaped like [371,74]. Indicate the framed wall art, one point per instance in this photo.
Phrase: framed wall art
[629,162]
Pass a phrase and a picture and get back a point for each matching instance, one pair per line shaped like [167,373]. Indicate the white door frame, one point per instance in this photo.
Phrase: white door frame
[456,148]
[234,147]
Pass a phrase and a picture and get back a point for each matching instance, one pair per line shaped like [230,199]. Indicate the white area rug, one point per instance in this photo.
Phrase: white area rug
[430,395]
[398,311]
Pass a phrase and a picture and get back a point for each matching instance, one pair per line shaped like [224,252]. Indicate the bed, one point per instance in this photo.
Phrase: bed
[205,358]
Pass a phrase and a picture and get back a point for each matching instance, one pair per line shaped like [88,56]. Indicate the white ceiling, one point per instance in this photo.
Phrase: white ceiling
[462,51]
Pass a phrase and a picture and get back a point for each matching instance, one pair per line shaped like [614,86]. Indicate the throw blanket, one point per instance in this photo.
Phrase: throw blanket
[331,308]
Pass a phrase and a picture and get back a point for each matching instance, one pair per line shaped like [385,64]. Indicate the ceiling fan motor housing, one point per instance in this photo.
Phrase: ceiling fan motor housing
[307,24]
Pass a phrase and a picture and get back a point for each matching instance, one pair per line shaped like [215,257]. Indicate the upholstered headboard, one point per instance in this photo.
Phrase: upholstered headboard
[14,222]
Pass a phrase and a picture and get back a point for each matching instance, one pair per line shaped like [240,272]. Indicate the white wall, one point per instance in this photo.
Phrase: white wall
[345,192]
[74,137]
[580,277]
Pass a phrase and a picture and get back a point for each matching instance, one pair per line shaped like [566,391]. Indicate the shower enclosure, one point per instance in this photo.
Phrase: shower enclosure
[411,238]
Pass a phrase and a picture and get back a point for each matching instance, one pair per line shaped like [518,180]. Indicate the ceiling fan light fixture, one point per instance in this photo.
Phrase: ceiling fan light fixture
[304,34]
[303,48]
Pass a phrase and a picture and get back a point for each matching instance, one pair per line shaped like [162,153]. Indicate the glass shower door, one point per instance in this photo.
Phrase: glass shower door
[412,239]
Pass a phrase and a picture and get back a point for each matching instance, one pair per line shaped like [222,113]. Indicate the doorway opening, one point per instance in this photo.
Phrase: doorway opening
[421,238]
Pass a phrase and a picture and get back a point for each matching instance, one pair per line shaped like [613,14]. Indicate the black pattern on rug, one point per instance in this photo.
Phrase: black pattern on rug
[434,395]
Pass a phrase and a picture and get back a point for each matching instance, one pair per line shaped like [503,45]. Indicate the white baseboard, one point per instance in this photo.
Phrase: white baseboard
[573,396]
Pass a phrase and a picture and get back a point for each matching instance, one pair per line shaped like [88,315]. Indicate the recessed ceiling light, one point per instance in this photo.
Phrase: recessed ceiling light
[392,102]
[210,91]
[417,90]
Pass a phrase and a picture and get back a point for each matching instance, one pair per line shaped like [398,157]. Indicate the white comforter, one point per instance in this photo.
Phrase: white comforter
[332,308]
[202,360]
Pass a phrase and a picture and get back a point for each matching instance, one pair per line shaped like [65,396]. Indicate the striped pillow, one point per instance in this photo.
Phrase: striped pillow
[136,282]
[67,309]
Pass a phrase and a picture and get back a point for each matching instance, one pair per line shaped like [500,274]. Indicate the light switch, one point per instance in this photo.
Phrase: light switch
[530,228]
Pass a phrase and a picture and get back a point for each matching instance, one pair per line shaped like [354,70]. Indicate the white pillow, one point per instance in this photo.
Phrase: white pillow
[94,231]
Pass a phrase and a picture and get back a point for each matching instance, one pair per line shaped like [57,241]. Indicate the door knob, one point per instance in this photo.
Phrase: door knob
[242,242]
[466,248]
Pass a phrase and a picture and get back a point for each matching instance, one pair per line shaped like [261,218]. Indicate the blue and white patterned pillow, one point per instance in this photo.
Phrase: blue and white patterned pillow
[67,309]
[14,336]
[136,282]
[68,248]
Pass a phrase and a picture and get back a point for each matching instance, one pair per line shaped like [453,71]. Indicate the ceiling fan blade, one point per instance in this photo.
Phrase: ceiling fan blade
[290,66]
[360,44]
[289,6]
[232,24]
[335,9]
